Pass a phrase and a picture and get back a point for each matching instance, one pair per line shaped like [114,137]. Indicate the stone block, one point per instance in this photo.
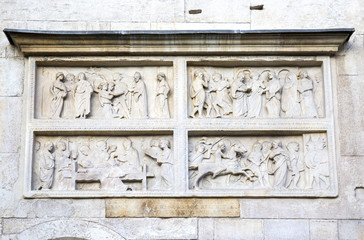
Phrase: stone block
[206,228]
[11,77]
[323,229]
[172,208]
[286,229]
[351,229]
[351,57]
[351,112]
[9,170]
[10,124]
[89,208]
[238,229]
[217,11]
[315,14]
[153,228]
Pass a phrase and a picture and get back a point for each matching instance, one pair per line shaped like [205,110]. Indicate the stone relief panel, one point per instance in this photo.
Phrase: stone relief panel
[114,163]
[285,163]
[104,93]
[255,92]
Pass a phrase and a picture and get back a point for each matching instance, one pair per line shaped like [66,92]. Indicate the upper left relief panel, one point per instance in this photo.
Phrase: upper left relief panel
[103,93]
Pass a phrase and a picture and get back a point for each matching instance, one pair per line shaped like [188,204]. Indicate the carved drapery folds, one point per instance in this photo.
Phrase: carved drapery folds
[180,114]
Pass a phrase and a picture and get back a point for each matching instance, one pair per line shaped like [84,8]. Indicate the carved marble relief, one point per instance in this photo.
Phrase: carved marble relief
[255,92]
[130,163]
[284,163]
[104,93]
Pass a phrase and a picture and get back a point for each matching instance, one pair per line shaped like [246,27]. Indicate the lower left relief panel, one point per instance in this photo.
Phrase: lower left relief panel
[116,163]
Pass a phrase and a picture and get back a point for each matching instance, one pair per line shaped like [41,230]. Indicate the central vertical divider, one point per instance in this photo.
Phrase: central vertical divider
[180,137]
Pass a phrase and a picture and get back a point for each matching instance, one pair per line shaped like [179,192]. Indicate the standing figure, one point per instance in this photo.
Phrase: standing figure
[138,104]
[305,87]
[82,95]
[105,98]
[222,102]
[47,165]
[161,108]
[65,167]
[59,92]
[255,160]
[280,160]
[120,107]
[266,149]
[296,163]
[239,90]
[273,95]
[290,105]
[197,93]
[85,159]
[255,98]
[131,156]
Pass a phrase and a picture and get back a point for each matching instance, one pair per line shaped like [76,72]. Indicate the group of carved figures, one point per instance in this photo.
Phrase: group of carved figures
[269,164]
[243,96]
[112,166]
[117,99]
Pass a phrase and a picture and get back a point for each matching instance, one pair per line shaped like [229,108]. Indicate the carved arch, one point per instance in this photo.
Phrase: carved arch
[69,229]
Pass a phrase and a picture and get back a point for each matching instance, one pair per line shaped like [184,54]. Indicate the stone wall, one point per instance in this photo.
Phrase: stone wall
[254,218]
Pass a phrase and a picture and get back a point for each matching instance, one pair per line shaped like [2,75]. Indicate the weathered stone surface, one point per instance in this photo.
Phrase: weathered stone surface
[286,229]
[11,76]
[351,110]
[318,14]
[349,60]
[199,26]
[11,125]
[9,170]
[322,229]
[172,208]
[238,229]
[206,228]
[153,228]
[7,203]
[351,230]
[217,11]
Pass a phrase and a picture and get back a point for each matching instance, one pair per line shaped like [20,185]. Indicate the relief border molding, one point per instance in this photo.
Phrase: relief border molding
[222,42]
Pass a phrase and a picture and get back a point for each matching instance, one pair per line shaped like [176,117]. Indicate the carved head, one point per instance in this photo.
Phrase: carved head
[102,145]
[117,77]
[216,77]
[127,143]
[81,76]
[164,143]
[154,143]
[257,146]
[293,146]
[85,150]
[302,74]
[60,76]
[137,76]
[111,86]
[70,77]
[221,146]
[61,145]
[37,145]
[200,148]
[276,144]
[161,76]
[266,145]
[49,146]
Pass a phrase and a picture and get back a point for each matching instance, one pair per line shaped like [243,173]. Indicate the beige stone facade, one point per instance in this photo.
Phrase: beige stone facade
[186,207]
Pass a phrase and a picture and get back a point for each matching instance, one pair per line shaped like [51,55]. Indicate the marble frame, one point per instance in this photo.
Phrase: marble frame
[181,126]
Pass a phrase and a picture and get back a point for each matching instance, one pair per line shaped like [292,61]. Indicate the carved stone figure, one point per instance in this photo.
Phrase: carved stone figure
[290,104]
[138,104]
[104,90]
[82,95]
[239,90]
[221,100]
[280,159]
[254,160]
[316,161]
[255,98]
[101,154]
[266,149]
[85,160]
[59,92]
[161,108]
[296,163]
[65,168]
[273,95]
[305,87]
[120,107]
[47,165]
[130,155]
[197,93]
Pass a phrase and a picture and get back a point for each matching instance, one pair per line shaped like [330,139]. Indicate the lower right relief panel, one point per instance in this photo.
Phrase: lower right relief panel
[278,163]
